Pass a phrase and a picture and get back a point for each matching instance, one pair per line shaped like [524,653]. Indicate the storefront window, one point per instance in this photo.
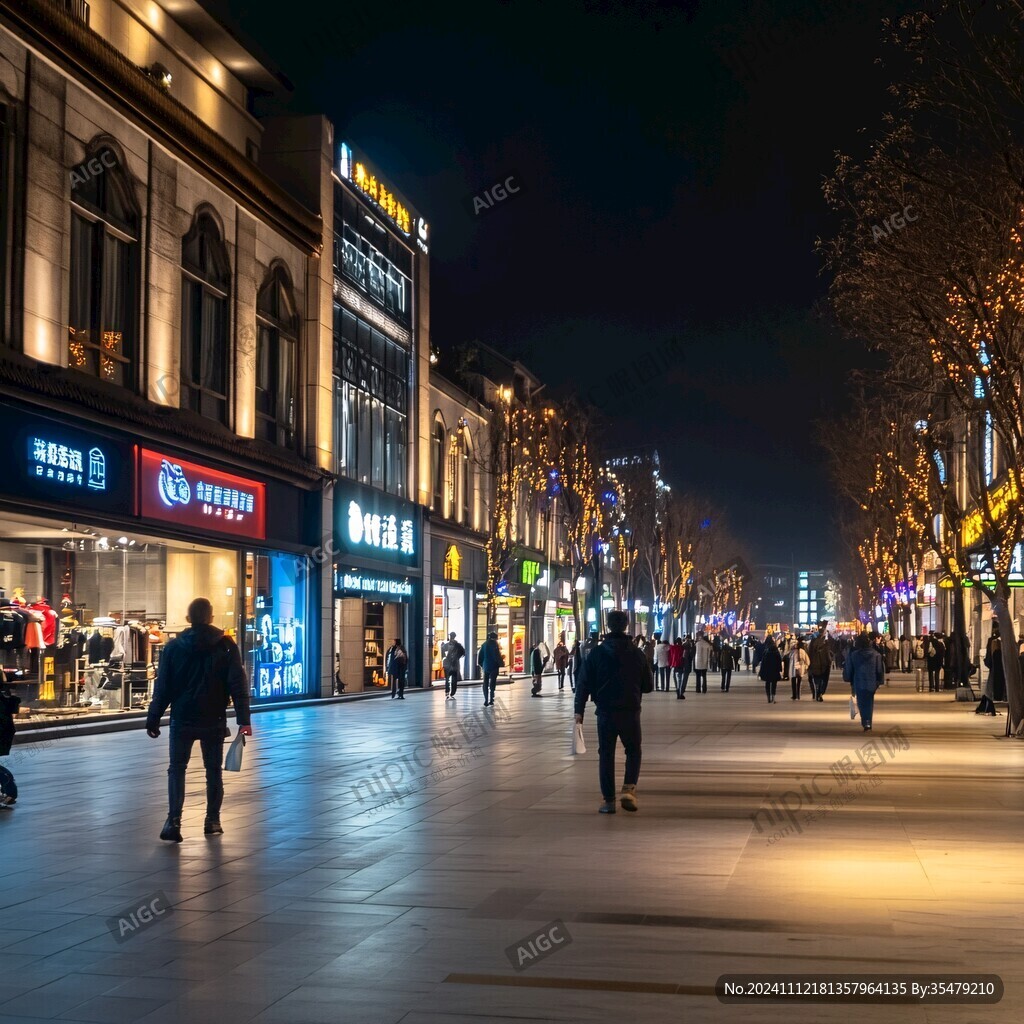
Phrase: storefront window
[275,625]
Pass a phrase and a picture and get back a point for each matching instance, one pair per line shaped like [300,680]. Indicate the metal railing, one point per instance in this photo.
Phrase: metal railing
[76,8]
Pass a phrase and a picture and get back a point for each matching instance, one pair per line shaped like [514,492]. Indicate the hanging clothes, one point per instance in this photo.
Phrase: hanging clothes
[51,621]
[34,632]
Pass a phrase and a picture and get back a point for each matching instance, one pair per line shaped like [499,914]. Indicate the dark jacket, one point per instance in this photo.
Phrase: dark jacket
[820,654]
[489,656]
[728,658]
[996,688]
[397,661]
[199,672]
[771,664]
[537,661]
[864,669]
[614,676]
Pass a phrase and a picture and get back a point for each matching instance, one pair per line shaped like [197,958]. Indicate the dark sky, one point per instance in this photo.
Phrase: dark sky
[669,159]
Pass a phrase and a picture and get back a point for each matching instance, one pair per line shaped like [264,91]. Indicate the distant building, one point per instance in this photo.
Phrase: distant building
[773,595]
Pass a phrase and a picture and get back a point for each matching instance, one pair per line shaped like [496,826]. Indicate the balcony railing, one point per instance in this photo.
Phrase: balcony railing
[76,8]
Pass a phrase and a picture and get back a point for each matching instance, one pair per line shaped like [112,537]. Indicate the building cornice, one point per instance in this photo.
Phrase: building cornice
[102,69]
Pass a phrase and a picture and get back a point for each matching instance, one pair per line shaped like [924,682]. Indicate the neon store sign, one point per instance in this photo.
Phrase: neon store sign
[62,464]
[384,532]
[351,582]
[380,194]
[178,491]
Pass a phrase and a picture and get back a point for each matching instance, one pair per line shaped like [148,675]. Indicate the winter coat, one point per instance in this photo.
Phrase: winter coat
[820,656]
[675,655]
[995,686]
[728,658]
[662,654]
[200,671]
[614,676]
[864,669]
[489,656]
[771,665]
[801,662]
[936,654]
[702,654]
[452,653]
[561,656]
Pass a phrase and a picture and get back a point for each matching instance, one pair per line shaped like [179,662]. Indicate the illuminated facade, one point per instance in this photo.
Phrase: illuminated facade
[155,341]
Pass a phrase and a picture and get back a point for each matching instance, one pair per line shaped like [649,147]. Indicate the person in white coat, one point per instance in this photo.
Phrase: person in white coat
[661,663]
[701,662]
[799,666]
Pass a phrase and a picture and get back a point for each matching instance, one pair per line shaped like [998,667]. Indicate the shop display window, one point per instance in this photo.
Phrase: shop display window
[275,631]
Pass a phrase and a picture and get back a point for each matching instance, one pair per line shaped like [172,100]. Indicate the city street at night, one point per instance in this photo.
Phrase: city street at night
[322,903]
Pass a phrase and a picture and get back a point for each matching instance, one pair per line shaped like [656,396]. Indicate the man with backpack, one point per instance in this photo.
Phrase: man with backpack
[200,671]
[820,654]
[615,676]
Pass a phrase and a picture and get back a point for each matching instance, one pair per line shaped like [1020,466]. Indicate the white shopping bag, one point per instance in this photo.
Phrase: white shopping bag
[853,708]
[233,761]
[578,744]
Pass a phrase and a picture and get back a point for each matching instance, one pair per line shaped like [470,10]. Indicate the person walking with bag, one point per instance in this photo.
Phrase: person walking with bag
[615,676]
[675,661]
[801,662]
[200,671]
[771,669]
[685,668]
[864,670]
[728,659]
[452,653]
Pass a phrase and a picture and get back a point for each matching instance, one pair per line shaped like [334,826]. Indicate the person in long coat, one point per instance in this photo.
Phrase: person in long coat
[771,669]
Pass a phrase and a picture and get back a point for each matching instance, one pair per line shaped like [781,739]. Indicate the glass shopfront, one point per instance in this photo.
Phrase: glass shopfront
[377,587]
[103,545]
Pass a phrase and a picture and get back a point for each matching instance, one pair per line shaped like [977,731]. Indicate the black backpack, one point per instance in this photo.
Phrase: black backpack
[8,788]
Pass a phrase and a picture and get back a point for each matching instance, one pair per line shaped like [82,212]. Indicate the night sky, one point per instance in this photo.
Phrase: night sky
[659,254]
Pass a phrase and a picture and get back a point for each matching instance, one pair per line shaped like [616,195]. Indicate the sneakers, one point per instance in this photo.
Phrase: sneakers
[628,798]
[172,831]
[608,807]
[211,827]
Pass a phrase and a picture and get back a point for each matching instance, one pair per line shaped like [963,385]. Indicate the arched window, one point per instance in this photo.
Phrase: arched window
[437,463]
[466,483]
[103,302]
[277,332]
[205,331]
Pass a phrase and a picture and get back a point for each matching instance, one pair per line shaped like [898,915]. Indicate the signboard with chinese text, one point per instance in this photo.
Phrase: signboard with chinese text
[351,582]
[174,490]
[359,173]
[371,524]
[55,462]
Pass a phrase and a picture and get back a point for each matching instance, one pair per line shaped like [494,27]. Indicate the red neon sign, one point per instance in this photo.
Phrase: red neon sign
[176,491]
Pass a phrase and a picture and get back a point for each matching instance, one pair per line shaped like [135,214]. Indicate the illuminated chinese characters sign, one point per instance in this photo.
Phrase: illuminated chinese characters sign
[64,464]
[51,461]
[366,181]
[999,500]
[371,524]
[530,571]
[177,491]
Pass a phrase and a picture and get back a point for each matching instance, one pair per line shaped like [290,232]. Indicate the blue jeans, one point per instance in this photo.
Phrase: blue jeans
[612,726]
[865,704]
[211,742]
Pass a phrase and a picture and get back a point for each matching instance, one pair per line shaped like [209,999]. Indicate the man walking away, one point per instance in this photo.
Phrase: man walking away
[452,653]
[398,666]
[490,661]
[728,659]
[561,656]
[661,661]
[701,661]
[821,662]
[906,650]
[675,661]
[200,671]
[864,670]
[995,685]
[615,677]
[936,659]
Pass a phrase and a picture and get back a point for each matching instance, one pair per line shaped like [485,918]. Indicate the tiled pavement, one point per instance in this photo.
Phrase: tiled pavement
[319,905]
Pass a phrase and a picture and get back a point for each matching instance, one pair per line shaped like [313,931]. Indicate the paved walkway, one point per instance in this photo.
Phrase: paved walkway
[321,905]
